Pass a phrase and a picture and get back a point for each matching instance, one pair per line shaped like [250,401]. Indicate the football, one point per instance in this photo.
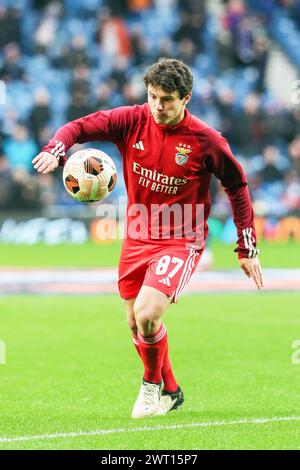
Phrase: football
[89,175]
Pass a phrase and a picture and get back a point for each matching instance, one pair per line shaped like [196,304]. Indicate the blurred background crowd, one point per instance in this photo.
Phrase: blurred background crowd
[60,60]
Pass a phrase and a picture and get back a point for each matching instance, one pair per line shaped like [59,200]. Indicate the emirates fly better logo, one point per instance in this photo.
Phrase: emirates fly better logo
[181,156]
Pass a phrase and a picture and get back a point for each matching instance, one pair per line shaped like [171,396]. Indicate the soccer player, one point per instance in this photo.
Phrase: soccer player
[168,157]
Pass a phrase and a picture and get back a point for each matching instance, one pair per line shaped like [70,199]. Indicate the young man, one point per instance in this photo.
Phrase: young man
[168,158]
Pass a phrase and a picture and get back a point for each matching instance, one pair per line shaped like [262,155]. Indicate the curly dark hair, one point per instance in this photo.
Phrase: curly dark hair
[170,75]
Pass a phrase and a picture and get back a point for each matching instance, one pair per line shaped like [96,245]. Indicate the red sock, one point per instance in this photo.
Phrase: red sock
[170,384]
[136,344]
[152,351]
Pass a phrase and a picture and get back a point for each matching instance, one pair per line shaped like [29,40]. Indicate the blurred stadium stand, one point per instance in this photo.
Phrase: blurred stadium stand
[63,59]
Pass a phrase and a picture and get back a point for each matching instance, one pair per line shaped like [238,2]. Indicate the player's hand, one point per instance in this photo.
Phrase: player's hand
[45,162]
[251,267]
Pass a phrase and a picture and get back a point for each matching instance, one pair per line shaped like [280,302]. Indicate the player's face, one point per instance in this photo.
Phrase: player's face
[166,107]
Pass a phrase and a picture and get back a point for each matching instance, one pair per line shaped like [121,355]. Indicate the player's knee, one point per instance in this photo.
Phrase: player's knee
[146,315]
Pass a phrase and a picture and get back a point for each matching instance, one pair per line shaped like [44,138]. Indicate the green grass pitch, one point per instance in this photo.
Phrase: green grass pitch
[90,254]
[70,367]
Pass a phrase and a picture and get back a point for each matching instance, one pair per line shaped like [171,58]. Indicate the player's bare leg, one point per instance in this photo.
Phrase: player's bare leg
[150,340]
[149,306]
[129,303]
[170,384]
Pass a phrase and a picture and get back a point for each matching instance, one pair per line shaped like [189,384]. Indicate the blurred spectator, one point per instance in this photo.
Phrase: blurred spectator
[271,172]
[235,13]
[20,149]
[261,55]
[5,181]
[187,51]
[291,196]
[113,37]
[192,6]
[79,106]
[11,118]
[225,51]
[249,126]
[72,55]
[293,7]
[24,193]
[46,189]
[190,28]
[294,154]
[292,123]
[80,81]
[119,74]
[139,5]
[40,115]
[11,68]
[132,93]
[245,34]
[103,97]
[42,4]
[139,47]
[43,136]
[10,26]
[117,7]
[225,103]
[18,189]
[49,21]
[165,49]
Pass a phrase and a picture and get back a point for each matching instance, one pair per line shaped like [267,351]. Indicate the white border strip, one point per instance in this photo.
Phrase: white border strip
[103,432]
[186,273]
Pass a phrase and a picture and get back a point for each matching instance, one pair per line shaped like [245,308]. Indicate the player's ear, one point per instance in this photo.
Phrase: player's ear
[187,98]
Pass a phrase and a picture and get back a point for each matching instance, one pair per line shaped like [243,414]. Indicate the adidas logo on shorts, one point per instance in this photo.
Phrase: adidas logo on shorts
[166,281]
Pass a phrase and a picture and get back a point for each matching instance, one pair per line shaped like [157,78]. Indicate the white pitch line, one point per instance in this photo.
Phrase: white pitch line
[103,432]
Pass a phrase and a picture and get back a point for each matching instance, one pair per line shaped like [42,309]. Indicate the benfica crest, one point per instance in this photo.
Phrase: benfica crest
[182,156]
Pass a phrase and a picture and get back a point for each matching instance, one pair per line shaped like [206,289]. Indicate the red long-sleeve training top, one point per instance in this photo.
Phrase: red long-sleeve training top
[167,171]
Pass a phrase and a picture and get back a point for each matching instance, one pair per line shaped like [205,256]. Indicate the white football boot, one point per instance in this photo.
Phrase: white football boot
[147,401]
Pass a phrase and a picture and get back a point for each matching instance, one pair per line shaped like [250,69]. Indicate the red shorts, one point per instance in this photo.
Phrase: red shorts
[167,268]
